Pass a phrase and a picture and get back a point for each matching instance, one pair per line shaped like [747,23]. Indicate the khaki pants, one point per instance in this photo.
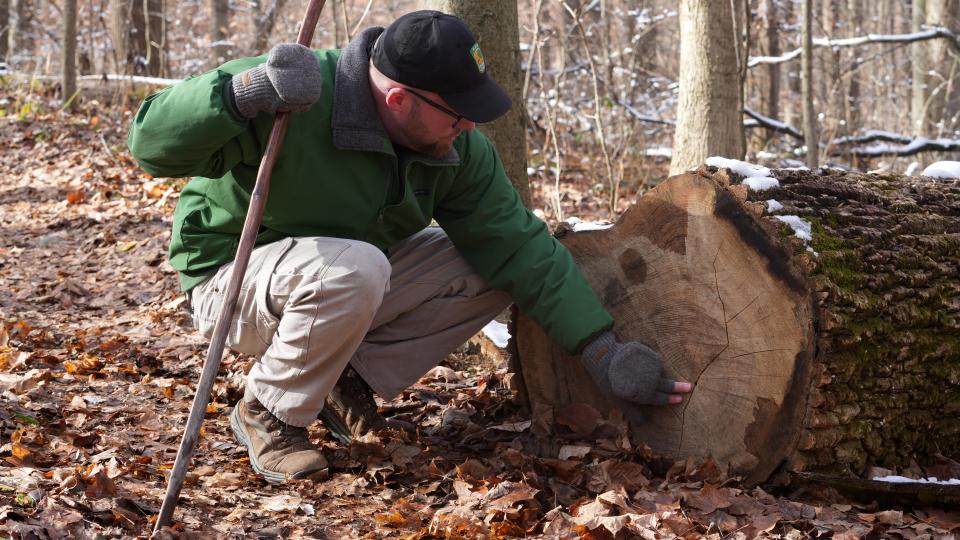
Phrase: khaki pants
[309,305]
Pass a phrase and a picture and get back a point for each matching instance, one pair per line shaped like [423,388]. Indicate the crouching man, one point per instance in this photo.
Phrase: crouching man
[349,291]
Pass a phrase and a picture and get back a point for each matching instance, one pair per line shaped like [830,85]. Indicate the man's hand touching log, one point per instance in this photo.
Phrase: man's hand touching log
[630,374]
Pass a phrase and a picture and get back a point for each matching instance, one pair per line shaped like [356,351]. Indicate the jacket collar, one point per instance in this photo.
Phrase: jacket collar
[354,120]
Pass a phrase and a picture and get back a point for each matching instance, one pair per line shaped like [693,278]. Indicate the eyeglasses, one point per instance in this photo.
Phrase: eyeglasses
[457,117]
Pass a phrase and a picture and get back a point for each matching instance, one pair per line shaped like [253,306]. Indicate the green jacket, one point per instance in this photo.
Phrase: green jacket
[339,175]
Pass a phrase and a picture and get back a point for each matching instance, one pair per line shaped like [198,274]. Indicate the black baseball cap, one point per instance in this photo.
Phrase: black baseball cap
[433,51]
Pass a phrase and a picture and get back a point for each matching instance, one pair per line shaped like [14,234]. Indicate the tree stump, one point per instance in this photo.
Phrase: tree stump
[825,355]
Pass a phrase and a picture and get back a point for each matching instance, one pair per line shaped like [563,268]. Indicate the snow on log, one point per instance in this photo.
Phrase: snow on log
[822,338]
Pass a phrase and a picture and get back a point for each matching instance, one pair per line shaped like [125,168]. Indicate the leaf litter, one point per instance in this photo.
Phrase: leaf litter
[99,362]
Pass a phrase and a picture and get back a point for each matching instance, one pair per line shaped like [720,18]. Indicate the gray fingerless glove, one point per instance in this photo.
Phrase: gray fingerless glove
[289,80]
[627,371]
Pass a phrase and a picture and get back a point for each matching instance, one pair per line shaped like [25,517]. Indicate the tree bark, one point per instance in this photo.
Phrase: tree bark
[68,79]
[809,113]
[829,361]
[709,110]
[852,98]
[21,38]
[495,25]
[138,31]
[265,21]
[4,29]
[918,67]
[937,14]
[220,49]
[773,70]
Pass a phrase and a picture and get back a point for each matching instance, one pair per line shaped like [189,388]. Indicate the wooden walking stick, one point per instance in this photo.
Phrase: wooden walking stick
[211,366]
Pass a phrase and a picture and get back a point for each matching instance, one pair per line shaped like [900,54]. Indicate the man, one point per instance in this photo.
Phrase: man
[347,280]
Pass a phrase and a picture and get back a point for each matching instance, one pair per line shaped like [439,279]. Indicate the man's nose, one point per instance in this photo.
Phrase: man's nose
[466,125]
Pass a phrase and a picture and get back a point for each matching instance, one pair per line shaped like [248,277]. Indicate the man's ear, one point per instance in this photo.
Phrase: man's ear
[396,99]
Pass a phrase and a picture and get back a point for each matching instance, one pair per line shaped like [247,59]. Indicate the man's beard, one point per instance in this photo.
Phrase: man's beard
[413,130]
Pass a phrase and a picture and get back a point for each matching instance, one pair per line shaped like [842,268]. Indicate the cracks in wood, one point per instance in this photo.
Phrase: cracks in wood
[758,352]
[737,314]
[726,330]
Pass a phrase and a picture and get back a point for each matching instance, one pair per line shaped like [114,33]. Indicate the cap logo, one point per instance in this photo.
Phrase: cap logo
[477,55]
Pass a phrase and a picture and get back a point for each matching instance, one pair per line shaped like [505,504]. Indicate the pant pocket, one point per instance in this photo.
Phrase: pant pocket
[244,334]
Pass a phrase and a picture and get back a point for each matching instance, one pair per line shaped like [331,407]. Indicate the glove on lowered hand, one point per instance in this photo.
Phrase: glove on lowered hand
[627,372]
[289,80]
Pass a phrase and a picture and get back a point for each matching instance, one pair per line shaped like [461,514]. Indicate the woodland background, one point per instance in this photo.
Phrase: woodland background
[601,80]
[99,361]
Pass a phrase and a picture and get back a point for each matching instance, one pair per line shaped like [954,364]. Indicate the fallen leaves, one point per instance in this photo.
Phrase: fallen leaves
[98,361]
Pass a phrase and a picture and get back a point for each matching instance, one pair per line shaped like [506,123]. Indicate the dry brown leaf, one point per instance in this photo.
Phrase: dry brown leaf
[506,494]
[581,418]
[404,454]
[709,499]
[281,503]
[946,520]
[391,519]
[84,365]
[98,484]
[75,197]
[626,474]
[568,451]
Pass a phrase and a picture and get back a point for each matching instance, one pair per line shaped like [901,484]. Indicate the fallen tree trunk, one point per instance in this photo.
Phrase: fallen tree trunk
[826,355]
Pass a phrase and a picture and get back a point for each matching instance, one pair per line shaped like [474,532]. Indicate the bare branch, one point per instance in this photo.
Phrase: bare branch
[933,33]
[772,124]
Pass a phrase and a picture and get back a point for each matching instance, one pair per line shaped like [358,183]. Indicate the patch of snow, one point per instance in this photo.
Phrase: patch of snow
[905,480]
[943,169]
[801,227]
[658,152]
[773,205]
[740,167]
[579,225]
[498,333]
[912,168]
[761,183]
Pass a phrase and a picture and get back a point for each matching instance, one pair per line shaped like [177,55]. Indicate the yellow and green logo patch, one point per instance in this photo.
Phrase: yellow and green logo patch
[477,55]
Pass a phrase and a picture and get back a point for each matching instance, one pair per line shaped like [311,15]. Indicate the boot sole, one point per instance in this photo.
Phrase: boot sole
[336,426]
[273,477]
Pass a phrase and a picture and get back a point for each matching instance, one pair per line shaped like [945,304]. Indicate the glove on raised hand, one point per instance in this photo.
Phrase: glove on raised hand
[289,80]
[627,372]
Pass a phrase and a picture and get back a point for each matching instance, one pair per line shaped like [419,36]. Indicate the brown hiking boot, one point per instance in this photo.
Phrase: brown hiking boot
[278,451]
[350,410]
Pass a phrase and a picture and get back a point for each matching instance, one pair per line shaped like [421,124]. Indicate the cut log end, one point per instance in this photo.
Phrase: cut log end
[689,272]
[829,357]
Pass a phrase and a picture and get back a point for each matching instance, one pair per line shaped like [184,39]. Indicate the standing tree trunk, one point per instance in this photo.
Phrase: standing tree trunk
[265,20]
[220,48]
[21,38]
[809,113]
[494,23]
[4,29]
[919,67]
[852,102]
[832,358]
[792,106]
[937,14]
[709,112]
[138,31]
[68,80]
[773,70]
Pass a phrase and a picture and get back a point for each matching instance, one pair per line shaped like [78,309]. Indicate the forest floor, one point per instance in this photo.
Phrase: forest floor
[98,365]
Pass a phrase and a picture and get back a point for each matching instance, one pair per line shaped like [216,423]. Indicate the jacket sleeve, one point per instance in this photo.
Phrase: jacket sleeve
[189,129]
[513,250]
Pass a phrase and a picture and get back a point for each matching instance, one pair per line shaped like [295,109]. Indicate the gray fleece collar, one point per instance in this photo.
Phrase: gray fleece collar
[354,119]
[355,123]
